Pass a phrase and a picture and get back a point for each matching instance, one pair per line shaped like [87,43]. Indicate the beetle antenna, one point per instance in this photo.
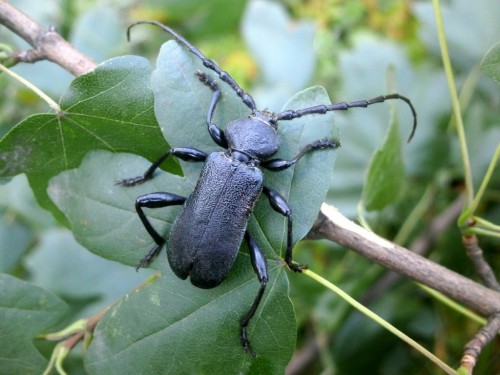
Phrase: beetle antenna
[210,64]
[343,106]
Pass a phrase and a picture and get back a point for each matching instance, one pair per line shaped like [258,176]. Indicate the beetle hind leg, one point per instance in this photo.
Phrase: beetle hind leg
[259,265]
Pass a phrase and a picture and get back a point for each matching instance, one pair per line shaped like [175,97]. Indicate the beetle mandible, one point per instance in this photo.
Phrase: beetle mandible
[207,233]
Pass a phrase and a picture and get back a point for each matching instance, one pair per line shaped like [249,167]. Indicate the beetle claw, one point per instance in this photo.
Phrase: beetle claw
[144,262]
[131,181]
[249,349]
[296,267]
[246,344]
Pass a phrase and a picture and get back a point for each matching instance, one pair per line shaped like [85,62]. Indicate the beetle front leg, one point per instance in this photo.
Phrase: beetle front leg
[259,265]
[215,132]
[280,205]
[154,200]
[184,153]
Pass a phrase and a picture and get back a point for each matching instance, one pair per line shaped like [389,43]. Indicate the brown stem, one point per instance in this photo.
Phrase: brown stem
[332,225]
[483,269]
[46,42]
[421,245]
[473,348]
[71,341]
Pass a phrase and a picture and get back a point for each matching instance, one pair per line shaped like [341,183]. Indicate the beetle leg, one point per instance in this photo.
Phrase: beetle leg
[154,200]
[259,265]
[215,132]
[280,205]
[184,153]
[280,164]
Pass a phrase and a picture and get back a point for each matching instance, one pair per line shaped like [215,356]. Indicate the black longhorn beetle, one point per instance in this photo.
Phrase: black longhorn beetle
[207,233]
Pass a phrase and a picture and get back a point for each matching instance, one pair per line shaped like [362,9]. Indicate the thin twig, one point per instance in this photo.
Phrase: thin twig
[46,42]
[473,348]
[421,246]
[483,269]
[52,104]
[332,225]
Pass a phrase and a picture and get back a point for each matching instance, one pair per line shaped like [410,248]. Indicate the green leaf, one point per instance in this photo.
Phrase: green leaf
[25,312]
[104,220]
[491,63]
[100,110]
[170,324]
[386,176]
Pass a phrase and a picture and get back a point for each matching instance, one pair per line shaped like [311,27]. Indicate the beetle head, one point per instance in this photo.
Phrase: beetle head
[255,135]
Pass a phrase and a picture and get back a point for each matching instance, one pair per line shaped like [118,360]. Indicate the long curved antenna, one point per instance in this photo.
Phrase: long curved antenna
[321,109]
[210,64]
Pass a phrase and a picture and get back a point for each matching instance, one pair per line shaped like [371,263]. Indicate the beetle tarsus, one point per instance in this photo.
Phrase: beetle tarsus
[296,267]
[131,181]
[146,261]
[246,343]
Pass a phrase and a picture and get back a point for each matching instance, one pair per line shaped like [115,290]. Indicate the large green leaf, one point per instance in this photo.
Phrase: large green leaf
[171,326]
[25,312]
[169,323]
[142,331]
[100,111]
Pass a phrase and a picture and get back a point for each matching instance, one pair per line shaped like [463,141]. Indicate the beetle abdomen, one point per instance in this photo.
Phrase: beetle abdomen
[208,232]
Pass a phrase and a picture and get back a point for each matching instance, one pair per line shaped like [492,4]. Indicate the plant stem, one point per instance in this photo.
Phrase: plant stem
[52,104]
[469,189]
[379,320]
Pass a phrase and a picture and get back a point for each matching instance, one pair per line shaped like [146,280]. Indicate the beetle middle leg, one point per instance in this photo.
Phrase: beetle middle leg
[259,265]
[154,200]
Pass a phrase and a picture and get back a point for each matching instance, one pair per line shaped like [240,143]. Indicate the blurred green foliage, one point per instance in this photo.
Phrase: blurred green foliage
[356,50]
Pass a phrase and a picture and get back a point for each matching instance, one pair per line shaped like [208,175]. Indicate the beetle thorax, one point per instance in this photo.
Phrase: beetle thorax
[254,135]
